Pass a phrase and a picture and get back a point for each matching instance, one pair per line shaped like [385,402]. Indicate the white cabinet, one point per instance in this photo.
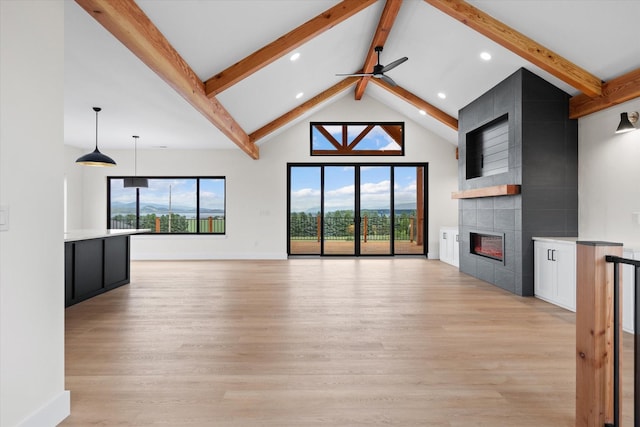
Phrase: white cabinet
[450,246]
[555,272]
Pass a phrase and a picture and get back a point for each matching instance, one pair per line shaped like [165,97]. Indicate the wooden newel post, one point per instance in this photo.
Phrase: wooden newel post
[594,333]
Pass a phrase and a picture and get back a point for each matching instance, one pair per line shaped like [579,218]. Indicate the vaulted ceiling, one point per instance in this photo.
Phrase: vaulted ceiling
[217,74]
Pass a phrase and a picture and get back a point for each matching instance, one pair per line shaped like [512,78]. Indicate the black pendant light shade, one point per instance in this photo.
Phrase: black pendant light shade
[134,181]
[96,158]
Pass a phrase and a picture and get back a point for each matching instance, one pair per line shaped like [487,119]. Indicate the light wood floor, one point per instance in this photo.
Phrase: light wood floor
[308,342]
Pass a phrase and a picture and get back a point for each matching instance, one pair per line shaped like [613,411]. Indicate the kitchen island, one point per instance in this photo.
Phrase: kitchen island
[95,261]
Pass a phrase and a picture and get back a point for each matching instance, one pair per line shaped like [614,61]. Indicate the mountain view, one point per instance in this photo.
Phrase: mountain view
[151,208]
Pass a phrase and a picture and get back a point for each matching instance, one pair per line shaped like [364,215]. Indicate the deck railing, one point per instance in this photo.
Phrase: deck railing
[616,340]
[307,227]
[179,224]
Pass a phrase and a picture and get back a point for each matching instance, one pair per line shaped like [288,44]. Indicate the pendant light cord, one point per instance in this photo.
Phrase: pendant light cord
[97,110]
[135,155]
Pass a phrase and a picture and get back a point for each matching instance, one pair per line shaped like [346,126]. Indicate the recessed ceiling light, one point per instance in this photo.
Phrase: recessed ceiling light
[295,56]
[485,55]
[442,95]
[299,95]
[424,113]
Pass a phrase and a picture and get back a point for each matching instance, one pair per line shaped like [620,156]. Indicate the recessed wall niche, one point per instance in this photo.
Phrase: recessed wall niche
[488,149]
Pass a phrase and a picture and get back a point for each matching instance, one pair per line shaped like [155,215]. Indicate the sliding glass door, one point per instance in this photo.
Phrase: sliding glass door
[375,210]
[356,209]
[338,207]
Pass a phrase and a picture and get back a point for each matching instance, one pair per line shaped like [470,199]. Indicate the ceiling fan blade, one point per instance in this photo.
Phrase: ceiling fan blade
[356,74]
[387,79]
[394,64]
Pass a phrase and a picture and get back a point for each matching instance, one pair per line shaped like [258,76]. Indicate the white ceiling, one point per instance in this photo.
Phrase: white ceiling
[598,35]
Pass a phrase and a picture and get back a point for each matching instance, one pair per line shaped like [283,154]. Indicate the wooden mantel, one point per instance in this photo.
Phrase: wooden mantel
[496,190]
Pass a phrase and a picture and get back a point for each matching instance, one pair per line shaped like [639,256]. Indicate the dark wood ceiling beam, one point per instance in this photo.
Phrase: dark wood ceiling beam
[303,108]
[419,103]
[614,92]
[521,45]
[388,17]
[276,49]
[129,24]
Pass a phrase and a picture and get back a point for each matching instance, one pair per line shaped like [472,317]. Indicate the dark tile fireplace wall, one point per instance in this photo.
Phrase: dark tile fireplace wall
[542,159]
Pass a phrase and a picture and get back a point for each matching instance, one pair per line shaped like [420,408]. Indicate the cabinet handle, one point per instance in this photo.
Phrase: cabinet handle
[548,254]
[457,237]
[444,236]
[553,255]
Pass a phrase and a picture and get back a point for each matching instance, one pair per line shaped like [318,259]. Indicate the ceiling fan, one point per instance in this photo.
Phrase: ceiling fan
[379,69]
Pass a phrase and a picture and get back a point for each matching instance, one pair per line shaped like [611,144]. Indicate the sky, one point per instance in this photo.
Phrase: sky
[375,186]
[183,193]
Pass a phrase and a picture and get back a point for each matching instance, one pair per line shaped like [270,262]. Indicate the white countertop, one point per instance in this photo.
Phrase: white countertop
[75,235]
[558,239]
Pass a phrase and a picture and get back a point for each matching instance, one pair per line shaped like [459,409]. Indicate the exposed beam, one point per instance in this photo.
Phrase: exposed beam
[129,24]
[388,17]
[419,103]
[303,108]
[521,45]
[276,49]
[614,92]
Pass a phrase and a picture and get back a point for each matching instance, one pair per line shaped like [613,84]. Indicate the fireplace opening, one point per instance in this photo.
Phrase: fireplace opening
[488,245]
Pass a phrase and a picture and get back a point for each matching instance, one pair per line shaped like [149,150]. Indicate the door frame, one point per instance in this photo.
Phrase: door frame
[358,166]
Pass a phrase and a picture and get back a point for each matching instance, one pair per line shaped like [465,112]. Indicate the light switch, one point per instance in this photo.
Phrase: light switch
[4,218]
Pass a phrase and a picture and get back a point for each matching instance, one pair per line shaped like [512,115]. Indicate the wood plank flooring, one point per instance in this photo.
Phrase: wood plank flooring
[309,342]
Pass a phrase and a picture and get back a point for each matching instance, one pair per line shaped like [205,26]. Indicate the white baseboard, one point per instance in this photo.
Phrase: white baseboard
[52,413]
[190,256]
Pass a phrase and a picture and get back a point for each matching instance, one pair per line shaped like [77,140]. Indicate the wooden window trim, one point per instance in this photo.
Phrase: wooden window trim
[349,148]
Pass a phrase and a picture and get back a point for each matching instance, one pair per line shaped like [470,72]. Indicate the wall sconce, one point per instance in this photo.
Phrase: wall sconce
[626,122]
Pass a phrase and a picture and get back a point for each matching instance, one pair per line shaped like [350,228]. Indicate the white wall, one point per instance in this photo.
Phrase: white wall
[31,185]
[609,178]
[256,189]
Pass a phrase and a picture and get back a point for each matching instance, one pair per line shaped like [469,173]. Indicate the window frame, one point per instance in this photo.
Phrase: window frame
[347,149]
[198,219]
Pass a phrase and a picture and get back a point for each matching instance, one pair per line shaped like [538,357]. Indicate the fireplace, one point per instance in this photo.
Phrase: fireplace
[488,245]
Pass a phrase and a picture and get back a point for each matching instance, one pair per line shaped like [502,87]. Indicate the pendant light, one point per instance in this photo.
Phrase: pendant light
[96,158]
[135,182]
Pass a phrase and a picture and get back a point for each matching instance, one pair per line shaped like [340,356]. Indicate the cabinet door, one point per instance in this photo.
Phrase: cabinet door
[88,255]
[544,271]
[456,249]
[565,261]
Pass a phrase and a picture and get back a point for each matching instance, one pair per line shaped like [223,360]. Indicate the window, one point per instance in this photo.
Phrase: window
[357,139]
[176,205]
